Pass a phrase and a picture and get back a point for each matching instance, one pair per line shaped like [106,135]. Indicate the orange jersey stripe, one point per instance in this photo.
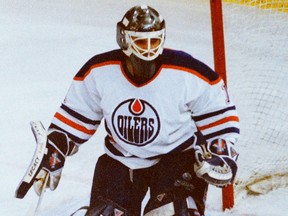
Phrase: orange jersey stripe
[157,73]
[193,72]
[95,66]
[172,67]
[73,124]
[219,122]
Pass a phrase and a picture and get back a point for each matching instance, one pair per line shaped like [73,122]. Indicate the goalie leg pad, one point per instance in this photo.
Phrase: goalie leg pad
[106,208]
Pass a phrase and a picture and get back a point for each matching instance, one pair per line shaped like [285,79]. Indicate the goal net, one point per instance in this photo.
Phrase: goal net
[256,45]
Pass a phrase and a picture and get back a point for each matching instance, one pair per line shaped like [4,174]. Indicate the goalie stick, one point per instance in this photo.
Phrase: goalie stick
[27,181]
[41,194]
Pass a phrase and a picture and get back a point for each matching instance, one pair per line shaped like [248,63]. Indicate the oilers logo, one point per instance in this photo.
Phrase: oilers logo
[136,122]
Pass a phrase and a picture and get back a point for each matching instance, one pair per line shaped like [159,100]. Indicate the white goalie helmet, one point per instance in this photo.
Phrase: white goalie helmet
[141,32]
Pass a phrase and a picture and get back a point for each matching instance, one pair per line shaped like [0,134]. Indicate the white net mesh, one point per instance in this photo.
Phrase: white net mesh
[256,42]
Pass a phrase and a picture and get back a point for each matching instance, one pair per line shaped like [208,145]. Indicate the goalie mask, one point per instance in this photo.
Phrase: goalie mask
[141,32]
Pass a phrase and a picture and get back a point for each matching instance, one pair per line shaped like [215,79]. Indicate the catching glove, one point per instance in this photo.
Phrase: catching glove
[216,162]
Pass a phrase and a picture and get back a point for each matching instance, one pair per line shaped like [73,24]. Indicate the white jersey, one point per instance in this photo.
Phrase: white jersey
[146,121]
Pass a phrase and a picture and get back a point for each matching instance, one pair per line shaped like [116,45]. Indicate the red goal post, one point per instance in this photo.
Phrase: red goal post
[220,67]
[256,46]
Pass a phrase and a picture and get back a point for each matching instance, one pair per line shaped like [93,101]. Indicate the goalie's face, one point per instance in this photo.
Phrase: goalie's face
[145,45]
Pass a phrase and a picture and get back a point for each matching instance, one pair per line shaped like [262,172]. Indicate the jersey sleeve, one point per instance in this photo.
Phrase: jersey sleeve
[215,114]
[80,114]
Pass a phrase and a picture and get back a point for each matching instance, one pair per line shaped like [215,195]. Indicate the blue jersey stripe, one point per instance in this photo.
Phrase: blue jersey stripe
[79,116]
[208,115]
[221,132]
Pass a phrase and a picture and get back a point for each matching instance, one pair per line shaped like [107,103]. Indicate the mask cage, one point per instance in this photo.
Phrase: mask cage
[149,53]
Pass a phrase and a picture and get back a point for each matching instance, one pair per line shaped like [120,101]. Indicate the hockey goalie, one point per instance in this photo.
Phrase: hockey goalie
[171,126]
